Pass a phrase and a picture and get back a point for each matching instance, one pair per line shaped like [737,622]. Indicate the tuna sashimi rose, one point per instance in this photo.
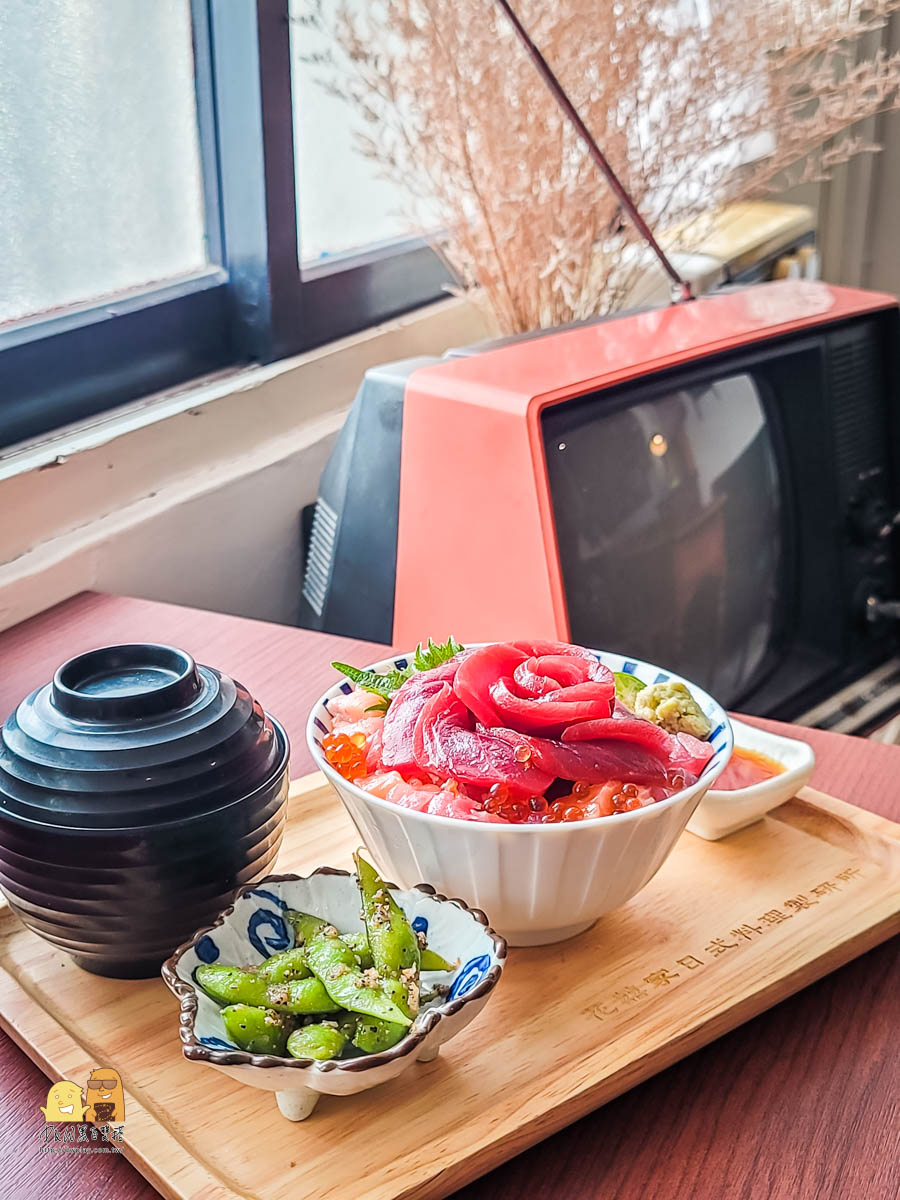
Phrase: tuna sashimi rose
[535,686]
[512,732]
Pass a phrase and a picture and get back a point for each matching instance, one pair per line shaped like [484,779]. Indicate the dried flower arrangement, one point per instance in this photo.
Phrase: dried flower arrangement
[695,105]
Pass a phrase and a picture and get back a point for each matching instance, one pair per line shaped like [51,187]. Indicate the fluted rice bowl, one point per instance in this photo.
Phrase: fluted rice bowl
[538,883]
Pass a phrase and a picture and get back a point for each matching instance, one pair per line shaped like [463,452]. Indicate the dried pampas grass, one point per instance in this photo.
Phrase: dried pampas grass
[694,104]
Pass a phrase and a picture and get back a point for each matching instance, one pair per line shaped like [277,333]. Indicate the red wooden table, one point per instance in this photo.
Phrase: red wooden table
[802,1103]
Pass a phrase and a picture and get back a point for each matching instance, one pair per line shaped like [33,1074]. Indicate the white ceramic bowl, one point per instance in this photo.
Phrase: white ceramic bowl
[254,928]
[537,883]
[720,813]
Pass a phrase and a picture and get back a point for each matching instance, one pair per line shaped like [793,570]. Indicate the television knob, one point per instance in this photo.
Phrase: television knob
[881,610]
[871,521]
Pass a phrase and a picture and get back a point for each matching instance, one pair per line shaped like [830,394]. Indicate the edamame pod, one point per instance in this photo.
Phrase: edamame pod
[284,966]
[359,944]
[392,939]
[334,964]
[373,1036]
[257,1030]
[404,994]
[316,1041]
[302,996]
[231,985]
[347,1022]
[305,925]
[432,961]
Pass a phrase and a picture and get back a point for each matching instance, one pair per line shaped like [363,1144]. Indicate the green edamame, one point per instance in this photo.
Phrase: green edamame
[392,939]
[359,944]
[332,988]
[231,985]
[301,996]
[316,1041]
[399,992]
[372,1036]
[334,964]
[432,961]
[304,925]
[284,966]
[257,1030]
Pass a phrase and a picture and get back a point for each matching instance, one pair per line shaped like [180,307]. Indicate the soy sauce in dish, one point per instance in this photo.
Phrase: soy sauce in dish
[746,768]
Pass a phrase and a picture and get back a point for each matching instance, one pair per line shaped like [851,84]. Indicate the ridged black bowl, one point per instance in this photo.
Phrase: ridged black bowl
[138,790]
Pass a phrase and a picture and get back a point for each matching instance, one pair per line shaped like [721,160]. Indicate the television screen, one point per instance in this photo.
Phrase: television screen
[669,519]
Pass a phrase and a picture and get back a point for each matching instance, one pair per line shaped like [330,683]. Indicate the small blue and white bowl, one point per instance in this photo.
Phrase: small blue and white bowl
[254,928]
[539,883]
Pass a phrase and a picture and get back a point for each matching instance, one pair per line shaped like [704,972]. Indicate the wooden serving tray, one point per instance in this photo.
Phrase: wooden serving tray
[725,930]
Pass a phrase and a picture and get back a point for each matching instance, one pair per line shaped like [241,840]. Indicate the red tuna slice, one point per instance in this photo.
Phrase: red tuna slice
[625,729]
[479,671]
[678,750]
[591,762]
[502,687]
[530,680]
[448,747]
[564,649]
[400,722]
[537,676]
[555,710]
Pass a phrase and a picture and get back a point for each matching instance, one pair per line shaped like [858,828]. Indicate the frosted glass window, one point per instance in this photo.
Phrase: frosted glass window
[342,204]
[100,181]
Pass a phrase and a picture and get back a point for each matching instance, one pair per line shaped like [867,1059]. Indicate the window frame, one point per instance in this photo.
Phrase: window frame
[253,303]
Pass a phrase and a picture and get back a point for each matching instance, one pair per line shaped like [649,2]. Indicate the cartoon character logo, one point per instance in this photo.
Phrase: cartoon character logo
[64,1102]
[106,1099]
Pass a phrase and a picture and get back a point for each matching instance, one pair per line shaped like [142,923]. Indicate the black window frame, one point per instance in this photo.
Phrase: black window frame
[253,303]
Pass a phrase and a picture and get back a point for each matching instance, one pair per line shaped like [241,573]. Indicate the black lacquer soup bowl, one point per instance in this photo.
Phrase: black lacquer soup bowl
[138,791]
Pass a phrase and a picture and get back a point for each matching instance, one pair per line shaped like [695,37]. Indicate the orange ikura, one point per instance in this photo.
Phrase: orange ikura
[346,753]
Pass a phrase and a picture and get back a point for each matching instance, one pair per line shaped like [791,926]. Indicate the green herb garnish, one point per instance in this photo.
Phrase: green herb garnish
[433,655]
[381,685]
[425,658]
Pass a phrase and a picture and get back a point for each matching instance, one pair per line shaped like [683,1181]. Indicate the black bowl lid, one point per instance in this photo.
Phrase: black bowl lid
[125,683]
[134,735]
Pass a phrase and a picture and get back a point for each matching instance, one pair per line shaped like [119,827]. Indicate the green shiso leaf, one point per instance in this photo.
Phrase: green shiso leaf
[426,657]
[381,685]
[432,655]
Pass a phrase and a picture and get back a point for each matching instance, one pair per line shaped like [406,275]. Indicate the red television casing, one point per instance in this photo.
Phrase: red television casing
[476,543]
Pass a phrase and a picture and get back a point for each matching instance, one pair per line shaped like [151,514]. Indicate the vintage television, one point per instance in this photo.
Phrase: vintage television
[711,485]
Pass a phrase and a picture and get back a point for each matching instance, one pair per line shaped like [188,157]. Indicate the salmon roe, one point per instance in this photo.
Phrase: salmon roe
[346,753]
[520,811]
[587,801]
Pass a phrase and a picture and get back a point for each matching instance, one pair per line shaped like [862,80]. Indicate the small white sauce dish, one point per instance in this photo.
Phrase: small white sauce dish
[254,928]
[722,812]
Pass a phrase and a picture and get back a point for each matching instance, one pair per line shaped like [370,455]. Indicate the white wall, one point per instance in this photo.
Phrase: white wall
[195,496]
[233,549]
